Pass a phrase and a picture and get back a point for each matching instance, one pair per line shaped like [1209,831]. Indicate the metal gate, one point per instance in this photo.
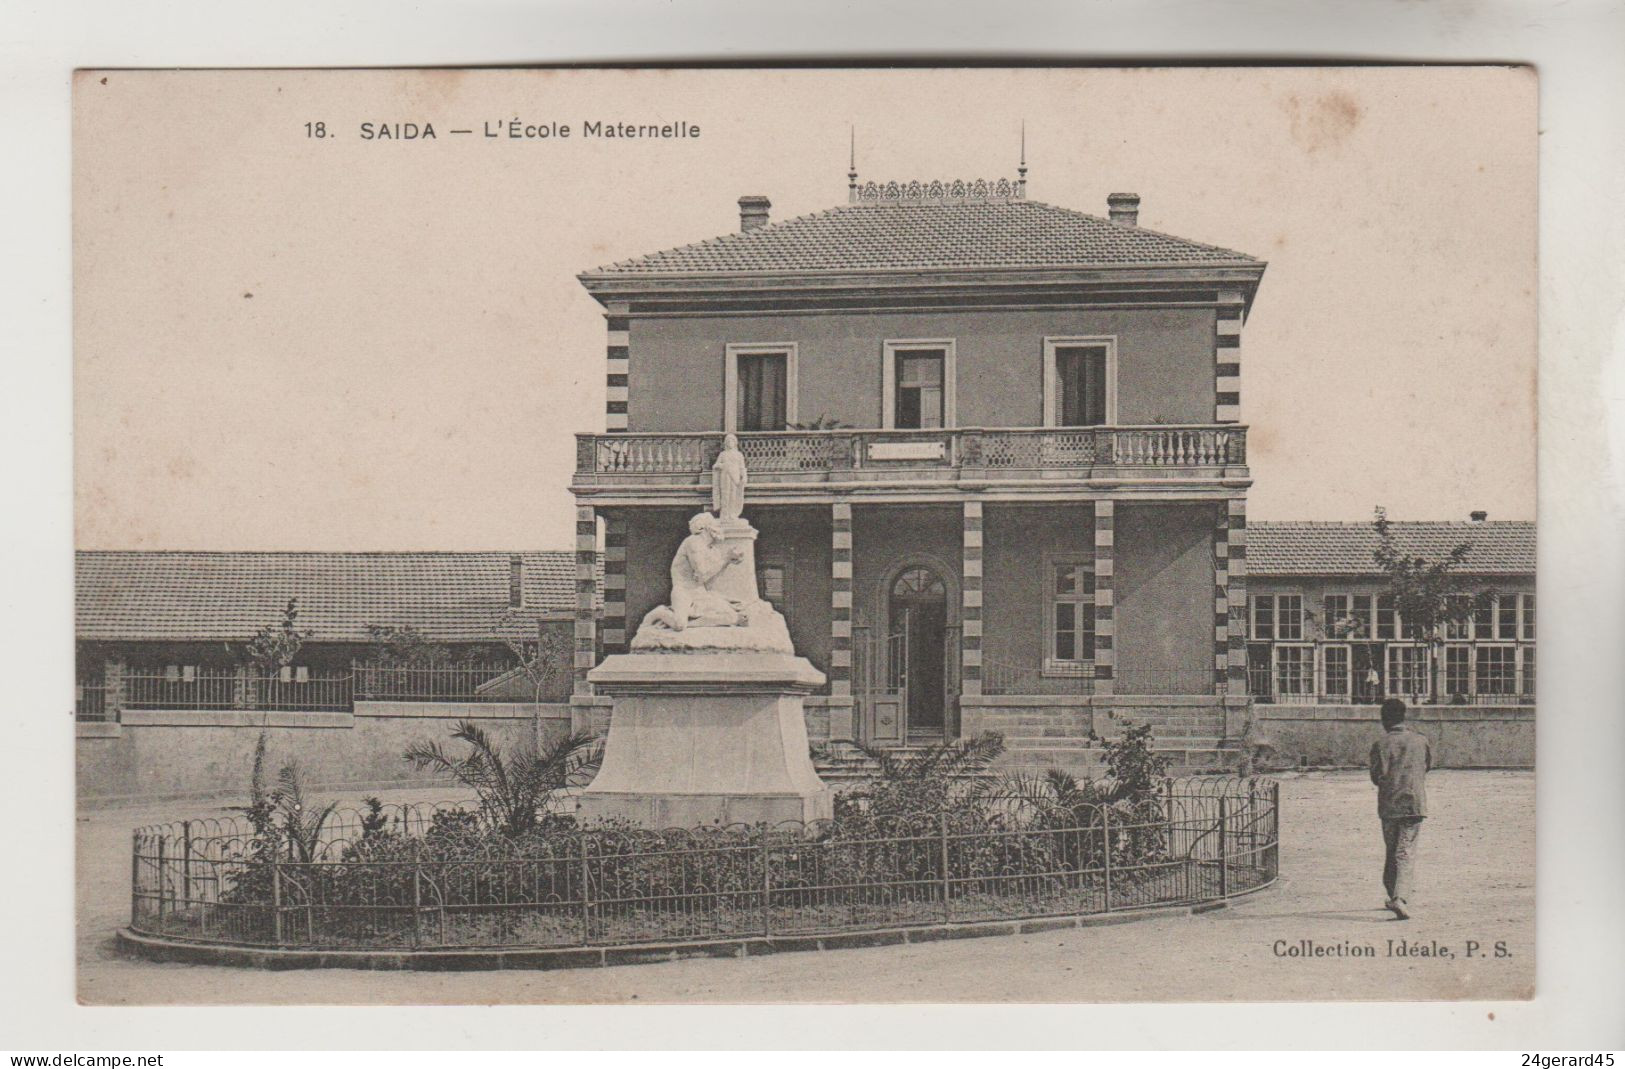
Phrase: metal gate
[880,683]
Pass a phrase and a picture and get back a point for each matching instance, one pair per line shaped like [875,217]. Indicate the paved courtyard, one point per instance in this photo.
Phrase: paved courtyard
[1476,883]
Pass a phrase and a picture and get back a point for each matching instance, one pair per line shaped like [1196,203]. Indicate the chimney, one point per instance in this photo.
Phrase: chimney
[516,581]
[1479,516]
[753,212]
[1124,208]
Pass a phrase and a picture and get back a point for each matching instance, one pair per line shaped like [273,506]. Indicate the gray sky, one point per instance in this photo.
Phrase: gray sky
[416,352]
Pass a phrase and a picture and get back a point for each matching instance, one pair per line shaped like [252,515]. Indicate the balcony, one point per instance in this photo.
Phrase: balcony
[801,465]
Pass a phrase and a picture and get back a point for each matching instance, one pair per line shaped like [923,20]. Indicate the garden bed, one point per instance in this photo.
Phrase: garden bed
[427,878]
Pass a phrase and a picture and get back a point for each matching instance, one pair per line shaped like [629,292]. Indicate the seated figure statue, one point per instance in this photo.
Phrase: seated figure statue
[700,559]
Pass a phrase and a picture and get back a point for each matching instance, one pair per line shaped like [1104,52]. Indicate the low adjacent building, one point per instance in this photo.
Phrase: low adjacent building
[166,684]
[1325,645]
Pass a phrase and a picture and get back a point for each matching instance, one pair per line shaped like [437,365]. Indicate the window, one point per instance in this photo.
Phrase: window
[1335,615]
[1458,614]
[1506,616]
[1497,669]
[1528,653]
[773,582]
[1360,610]
[1529,622]
[1072,612]
[1080,387]
[1294,670]
[1408,671]
[1263,616]
[1258,671]
[1458,677]
[1289,616]
[1337,676]
[1387,619]
[1368,672]
[918,385]
[759,388]
[1484,618]
[1278,616]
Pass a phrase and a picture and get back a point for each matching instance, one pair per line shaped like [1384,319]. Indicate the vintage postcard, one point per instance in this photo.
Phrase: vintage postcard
[805,535]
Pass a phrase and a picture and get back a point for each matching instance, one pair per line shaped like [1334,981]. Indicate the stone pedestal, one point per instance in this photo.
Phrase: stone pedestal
[738,581]
[700,737]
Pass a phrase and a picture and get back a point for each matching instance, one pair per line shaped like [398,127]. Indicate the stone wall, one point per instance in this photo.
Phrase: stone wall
[156,754]
[1340,736]
[1164,589]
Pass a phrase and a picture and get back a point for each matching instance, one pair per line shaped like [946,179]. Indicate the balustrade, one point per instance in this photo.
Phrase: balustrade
[1035,448]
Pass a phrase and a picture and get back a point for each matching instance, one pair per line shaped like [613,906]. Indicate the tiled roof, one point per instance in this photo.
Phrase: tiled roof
[452,597]
[1503,547]
[1014,234]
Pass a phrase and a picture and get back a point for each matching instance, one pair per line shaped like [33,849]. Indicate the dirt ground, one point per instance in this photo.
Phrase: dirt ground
[1475,884]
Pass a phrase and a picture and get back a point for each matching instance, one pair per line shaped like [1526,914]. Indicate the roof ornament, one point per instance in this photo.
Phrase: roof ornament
[955,191]
[852,166]
[1021,171]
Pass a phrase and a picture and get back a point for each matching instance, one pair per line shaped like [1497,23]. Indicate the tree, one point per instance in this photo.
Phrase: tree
[544,656]
[511,790]
[1428,595]
[274,646]
[405,646]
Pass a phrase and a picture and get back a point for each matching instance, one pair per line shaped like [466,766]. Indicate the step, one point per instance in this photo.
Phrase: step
[1070,742]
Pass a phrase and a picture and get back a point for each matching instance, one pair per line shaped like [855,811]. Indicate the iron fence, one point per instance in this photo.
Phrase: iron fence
[420,877]
[206,687]
[437,682]
[90,703]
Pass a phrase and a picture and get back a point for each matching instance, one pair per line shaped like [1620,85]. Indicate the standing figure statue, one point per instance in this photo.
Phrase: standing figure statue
[728,480]
[700,559]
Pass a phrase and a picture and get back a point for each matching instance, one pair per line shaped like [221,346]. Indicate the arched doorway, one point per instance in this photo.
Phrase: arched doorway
[917,631]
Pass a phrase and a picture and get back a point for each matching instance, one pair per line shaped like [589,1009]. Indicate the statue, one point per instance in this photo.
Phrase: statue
[714,601]
[700,559]
[728,478]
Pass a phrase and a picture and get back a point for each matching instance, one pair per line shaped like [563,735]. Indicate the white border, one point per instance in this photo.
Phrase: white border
[1578,47]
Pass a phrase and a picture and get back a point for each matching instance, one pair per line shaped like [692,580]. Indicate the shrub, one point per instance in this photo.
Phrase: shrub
[512,790]
[939,778]
[1133,762]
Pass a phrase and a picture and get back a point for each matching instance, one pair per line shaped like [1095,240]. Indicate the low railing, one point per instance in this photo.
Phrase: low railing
[90,704]
[1007,678]
[1018,448]
[433,682]
[204,687]
[301,690]
[412,877]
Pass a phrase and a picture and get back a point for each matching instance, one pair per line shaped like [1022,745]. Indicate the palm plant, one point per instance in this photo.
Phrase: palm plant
[1055,793]
[512,789]
[279,814]
[301,825]
[926,781]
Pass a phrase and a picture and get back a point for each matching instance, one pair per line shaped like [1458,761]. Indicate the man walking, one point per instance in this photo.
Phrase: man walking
[1400,761]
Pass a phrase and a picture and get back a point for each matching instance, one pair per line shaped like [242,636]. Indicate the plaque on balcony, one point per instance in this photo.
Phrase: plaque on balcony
[907,450]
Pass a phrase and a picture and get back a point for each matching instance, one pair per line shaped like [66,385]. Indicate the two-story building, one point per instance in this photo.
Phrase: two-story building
[994,455]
